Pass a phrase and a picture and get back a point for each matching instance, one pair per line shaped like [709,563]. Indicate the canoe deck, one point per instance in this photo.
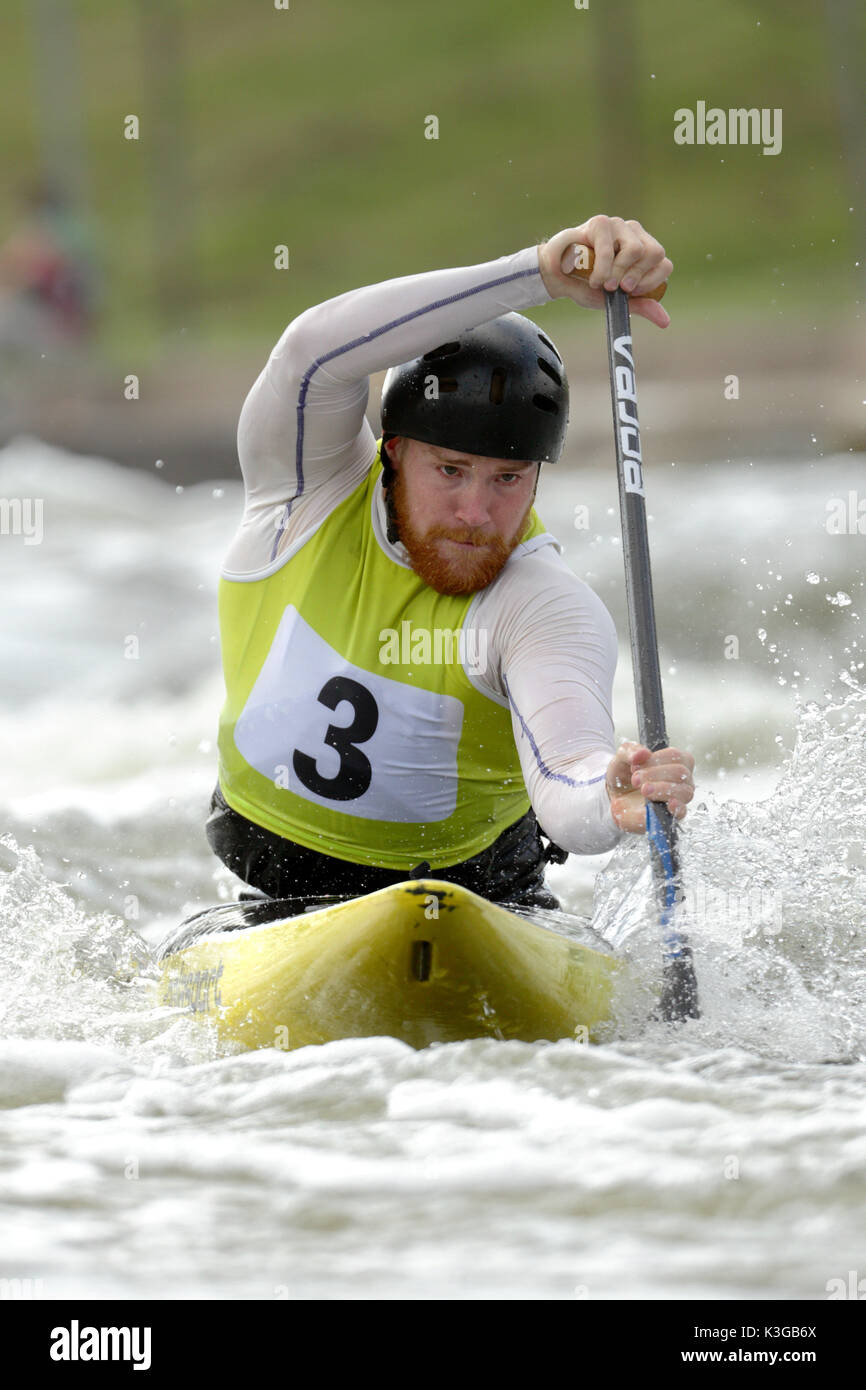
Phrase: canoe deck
[424,961]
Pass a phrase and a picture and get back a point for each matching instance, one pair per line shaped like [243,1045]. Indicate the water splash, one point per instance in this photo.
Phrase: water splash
[774,901]
[70,975]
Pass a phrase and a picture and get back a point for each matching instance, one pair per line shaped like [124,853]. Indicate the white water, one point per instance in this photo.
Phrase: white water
[724,1159]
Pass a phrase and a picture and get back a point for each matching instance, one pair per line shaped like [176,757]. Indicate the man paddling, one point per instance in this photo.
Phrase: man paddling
[355,748]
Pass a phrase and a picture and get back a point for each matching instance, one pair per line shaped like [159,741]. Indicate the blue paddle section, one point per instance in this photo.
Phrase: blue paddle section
[672,941]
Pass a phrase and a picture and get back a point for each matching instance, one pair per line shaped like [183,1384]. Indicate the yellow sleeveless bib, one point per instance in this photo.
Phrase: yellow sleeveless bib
[350,724]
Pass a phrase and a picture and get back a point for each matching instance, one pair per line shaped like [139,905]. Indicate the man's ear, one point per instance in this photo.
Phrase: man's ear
[388,460]
[388,475]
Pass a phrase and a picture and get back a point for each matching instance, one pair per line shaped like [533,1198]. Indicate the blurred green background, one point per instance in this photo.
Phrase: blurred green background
[306,126]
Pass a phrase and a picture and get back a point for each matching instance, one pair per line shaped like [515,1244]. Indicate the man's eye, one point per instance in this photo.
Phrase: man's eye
[451,470]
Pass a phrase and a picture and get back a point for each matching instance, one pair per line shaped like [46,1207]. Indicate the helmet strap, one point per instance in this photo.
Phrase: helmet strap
[393,530]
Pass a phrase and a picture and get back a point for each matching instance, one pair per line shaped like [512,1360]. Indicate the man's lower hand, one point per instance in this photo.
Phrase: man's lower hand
[636,776]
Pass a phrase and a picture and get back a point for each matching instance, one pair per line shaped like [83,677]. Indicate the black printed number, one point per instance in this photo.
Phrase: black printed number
[355,772]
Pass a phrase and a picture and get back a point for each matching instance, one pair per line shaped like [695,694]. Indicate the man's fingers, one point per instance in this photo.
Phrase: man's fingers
[667,789]
[650,309]
[648,273]
[636,255]
[670,755]
[616,247]
[675,773]
[640,776]
[628,748]
[626,255]
[620,770]
[666,776]
[649,268]
[597,233]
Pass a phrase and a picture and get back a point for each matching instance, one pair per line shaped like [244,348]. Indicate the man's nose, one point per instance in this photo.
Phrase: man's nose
[472,507]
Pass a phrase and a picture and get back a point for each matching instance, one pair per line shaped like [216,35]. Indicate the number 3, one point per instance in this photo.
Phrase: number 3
[356,771]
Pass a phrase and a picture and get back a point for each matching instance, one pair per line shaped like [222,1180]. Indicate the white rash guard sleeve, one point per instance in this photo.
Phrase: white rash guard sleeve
[553,657]
[304,444]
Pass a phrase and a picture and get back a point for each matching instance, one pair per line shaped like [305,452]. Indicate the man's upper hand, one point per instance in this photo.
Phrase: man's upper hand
[636,776]
[626,256]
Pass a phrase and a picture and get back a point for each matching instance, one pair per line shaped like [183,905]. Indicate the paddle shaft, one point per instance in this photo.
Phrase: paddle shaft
[680,994]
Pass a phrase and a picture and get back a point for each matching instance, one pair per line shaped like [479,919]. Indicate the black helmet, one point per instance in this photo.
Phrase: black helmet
[499,390]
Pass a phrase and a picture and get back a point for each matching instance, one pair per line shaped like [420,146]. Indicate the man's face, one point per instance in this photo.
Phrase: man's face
[460,515]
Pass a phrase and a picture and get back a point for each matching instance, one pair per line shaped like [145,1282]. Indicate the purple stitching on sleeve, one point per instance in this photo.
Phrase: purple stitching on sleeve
[356,342]
[554,776]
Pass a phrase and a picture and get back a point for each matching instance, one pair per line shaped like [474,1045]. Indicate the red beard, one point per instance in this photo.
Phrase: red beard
[447,568]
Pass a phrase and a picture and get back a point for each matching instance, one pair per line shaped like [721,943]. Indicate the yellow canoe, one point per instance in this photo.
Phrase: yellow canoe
[424,961]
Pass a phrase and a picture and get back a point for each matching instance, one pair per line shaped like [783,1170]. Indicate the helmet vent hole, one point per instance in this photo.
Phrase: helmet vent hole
[497,385]
[445,350]
[545,403]
[550,371]
[549,344]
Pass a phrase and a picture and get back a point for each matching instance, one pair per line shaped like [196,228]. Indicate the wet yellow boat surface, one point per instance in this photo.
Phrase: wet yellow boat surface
[423,961]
